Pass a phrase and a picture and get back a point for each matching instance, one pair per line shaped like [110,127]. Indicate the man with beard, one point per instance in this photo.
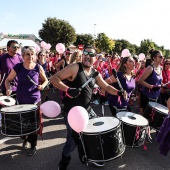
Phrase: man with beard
[76,75]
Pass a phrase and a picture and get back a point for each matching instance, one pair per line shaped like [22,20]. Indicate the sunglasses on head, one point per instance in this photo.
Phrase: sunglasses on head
[91,54]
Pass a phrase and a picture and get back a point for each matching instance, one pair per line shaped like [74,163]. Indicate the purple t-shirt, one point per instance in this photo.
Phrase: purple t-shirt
[27,92]
[7,63]
[154,79]
[128,85]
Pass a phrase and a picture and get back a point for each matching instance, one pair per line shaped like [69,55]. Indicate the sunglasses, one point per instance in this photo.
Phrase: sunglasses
[167,64]
[91,54]
[160,57]
[15,46]
[42,55]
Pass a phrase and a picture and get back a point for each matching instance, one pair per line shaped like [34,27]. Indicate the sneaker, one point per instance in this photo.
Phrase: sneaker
[106,103]
[25,144]
[98,164]
[32,151]
[96,102]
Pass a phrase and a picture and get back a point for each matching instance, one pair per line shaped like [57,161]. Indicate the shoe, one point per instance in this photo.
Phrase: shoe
[106,103]
[25,144]
[98,164]
[64,163]
[32,151]
[96,102]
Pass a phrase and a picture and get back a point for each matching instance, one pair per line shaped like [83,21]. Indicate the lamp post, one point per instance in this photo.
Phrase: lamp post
[94,35]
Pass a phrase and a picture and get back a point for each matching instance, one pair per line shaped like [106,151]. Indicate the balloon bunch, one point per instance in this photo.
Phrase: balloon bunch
[45,46]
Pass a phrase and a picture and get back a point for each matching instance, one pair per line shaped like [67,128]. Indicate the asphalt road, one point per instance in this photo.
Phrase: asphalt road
[49,149]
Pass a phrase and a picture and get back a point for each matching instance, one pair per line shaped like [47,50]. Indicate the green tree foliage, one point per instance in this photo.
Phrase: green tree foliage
[120,45]
[56,31]
[104,43]
[84,39]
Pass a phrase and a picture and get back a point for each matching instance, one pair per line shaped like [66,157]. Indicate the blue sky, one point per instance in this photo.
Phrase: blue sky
[133,20]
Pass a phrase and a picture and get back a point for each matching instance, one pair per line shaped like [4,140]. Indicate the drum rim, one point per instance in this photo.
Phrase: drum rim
[103,132]
[157,109]
[132,124]
[7,112]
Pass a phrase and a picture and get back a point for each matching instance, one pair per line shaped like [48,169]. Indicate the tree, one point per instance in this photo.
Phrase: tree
[56,31]
[104,43]
[84,39]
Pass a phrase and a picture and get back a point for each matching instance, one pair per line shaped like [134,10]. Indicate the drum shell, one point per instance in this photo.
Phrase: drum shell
[20,123]
[104,146]
[129,135]
[158,118]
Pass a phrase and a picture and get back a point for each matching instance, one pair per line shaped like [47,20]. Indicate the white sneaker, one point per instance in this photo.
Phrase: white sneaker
[96,102]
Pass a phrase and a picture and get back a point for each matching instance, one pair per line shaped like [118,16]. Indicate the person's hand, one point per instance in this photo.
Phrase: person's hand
[72,92]
[40,87]
[8,92]
[155,88]
[122,93]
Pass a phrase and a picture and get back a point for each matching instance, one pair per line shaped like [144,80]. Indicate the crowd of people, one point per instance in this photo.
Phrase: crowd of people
[115,79]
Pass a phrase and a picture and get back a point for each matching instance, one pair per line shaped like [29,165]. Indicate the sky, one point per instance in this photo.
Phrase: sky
[132,20]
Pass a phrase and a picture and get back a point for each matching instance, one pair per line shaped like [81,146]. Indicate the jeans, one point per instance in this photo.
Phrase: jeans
[70,144]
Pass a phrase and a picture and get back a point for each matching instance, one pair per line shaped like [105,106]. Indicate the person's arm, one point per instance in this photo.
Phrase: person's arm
[43,79]
[68,72]
[110,89]
[8,80]
[145,75]
[59,64]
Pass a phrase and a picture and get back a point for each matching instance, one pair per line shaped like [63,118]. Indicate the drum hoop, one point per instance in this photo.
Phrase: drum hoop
[21,134]
[135,125]
[97,133]
[26,111]
[157,110]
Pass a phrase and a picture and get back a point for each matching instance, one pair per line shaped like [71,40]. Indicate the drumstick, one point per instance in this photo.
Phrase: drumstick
[31,80]
[103,110]
[89,80]
[116,77]
[2,79]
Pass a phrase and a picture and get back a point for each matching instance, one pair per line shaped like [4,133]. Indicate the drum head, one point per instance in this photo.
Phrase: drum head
[7,100]
[101,124]
[19,108]
[159,107]
[132,118]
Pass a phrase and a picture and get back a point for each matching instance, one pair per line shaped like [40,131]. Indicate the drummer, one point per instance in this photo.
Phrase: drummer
[127,81]
[151,80]
[7,62]
[77,74]
[27,91]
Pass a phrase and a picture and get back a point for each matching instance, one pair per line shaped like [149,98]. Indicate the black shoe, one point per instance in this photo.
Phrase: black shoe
[32,151]
[98,164]
[64,163]
[24,145]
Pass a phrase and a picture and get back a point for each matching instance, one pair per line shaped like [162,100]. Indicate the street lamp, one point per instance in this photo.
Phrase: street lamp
[94,31]
[94,36]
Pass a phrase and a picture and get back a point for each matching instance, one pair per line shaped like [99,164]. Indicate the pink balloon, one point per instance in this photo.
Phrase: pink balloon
[141,56]
[37,48]
[78,118]
[125,53]
[43,44]
[47,46]
[50,109]
[60,48]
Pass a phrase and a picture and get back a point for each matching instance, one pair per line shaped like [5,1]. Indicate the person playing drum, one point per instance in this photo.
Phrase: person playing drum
[28,92]
[151,80]
[127,82]
[76,75]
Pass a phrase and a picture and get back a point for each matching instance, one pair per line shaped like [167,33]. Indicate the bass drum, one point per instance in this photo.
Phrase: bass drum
[134,128]
[102,139]
[20,120]
[155,113]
